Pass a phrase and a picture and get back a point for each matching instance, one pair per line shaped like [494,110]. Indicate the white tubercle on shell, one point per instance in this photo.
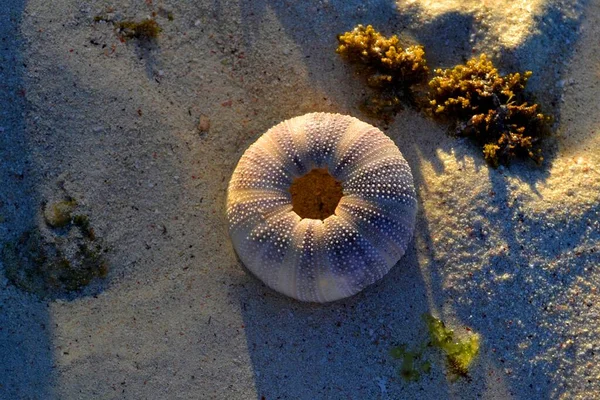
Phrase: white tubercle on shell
[312,259]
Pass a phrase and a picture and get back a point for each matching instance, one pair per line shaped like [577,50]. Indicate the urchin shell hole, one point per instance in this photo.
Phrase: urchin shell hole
[316,194]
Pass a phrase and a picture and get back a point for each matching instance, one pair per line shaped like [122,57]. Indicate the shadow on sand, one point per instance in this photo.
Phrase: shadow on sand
[26,354]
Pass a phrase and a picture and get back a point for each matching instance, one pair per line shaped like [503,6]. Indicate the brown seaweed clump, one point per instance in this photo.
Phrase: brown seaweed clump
[146,30]
[489,108]
[387,66]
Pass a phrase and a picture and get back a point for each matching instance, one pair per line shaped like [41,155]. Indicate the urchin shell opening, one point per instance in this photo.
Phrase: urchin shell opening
[316,194]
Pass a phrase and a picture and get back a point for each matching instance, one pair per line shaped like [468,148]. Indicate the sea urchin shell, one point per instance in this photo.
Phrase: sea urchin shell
[326,259]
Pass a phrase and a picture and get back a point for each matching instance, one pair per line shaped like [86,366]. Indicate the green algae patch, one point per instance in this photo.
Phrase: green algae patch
[460,353]
[58,258]
[46,269]
[389,67]
[58,214]
[490,108]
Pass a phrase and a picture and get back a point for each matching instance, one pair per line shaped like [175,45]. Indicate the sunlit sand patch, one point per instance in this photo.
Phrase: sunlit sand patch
[508,22]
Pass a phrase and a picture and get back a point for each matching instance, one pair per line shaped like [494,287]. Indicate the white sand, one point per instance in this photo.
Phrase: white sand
[511,253]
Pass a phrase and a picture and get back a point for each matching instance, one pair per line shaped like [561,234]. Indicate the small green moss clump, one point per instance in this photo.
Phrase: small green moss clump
[388,66]
[147,29]
[490,108]
[459,353]
[58,214]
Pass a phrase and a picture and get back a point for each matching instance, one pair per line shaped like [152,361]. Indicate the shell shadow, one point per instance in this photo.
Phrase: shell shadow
[335,350]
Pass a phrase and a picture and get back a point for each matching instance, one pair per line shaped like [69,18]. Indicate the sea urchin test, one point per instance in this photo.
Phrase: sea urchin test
[321,206]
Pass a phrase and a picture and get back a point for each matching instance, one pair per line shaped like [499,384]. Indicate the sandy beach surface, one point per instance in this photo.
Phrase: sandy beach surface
[145,136]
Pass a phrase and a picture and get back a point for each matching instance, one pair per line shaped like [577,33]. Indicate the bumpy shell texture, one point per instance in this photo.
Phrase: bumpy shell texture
[310,259]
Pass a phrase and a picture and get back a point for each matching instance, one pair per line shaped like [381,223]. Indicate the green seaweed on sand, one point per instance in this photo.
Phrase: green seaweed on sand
[460,353]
